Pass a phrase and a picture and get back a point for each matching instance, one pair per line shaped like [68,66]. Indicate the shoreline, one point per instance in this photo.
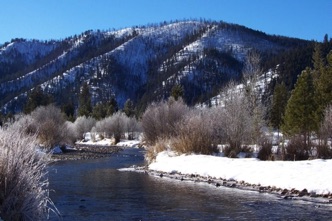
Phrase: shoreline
[286,194]
[85,152]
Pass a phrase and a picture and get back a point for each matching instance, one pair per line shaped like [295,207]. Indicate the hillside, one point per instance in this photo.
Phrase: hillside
[137,63]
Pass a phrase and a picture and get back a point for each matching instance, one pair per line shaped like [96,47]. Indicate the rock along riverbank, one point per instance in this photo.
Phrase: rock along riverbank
[287,194]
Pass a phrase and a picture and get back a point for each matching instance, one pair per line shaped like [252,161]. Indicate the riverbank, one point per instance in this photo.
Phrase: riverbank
[92,150]
[83,152]
[306,179]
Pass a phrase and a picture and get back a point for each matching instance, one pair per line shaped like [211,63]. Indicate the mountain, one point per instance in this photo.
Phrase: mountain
[138,63]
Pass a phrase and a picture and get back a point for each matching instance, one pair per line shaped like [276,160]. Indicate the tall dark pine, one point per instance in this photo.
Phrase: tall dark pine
[324,87]
[177,91]
[301,116]
[279,102]
[36,98]
[129,108]
[85,107]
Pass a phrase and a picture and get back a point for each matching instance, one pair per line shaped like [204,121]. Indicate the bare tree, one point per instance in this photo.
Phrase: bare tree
[83,125]
[49,123]
[160,119]
[113,126]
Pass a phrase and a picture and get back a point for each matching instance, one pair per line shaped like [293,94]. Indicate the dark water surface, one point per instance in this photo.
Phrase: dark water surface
[96,190]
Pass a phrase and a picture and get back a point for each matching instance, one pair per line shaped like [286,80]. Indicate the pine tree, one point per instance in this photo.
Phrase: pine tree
[300,116]
[129,109]
[85,107]
[177,91]
[318,61]
[36,98]
[324,87]
[279,102]
[99,111]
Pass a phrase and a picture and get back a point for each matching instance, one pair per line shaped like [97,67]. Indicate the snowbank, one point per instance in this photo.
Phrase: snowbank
[313,175]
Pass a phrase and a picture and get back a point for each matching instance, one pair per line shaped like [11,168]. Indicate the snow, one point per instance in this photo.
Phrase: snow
[313,175]
[129,143]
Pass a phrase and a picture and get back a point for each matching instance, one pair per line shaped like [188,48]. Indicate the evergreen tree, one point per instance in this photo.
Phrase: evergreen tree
[300,115]
[69,110]
[112,106]
[279,102]
[106,109]
[99,111]
[324,87]
[177,91]
[36,98]
[318,61]
[129,108]
[85,107]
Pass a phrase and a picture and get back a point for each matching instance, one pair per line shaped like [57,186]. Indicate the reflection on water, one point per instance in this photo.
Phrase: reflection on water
[96,190]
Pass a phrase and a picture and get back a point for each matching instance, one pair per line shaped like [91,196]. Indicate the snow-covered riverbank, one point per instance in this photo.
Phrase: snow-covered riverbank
[314,176]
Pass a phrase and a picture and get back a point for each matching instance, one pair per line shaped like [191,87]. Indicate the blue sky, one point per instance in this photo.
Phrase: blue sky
[57,19]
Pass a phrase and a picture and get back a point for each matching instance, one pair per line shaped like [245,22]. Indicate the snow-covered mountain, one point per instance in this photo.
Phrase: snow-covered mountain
[138,63]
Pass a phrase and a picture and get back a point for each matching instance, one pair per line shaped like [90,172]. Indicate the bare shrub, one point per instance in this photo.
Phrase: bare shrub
[297,149]
[24,123]
[195,135]
[113,126]
[236,122]
[230,152]
[103,127]
[160,119]
[133,127]
[83,125]
[24,193]
[265,151]
[324,151]
[49,123]
[152,151]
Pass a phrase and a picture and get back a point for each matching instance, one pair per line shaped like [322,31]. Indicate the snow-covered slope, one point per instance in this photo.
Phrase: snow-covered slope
[140,63]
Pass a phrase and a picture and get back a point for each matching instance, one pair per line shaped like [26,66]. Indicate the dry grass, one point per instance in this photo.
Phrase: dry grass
[152,151]
[24,193]
[195,135]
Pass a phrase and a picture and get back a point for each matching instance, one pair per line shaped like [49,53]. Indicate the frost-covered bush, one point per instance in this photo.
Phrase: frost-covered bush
[160,119]
[83,125]
[49,124]
[195,134]
[132,128]
[24,193]
[113,126]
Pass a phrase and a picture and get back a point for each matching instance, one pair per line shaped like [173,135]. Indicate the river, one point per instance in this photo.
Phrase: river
[96,190]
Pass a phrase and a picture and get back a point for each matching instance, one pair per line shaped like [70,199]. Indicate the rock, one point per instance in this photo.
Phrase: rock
[56,150]
[284,192]
[261,189]
[161,175]
[304,192]
[287,197]
[217,184]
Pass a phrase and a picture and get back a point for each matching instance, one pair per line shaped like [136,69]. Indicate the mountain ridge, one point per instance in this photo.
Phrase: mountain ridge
[137,63]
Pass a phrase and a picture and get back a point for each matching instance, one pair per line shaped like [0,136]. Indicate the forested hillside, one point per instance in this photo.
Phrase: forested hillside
[141,64]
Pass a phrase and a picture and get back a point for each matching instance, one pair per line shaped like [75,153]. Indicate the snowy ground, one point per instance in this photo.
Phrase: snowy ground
[313,175]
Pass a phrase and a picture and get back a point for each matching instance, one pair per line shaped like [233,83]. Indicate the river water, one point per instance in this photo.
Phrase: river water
[96,190]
